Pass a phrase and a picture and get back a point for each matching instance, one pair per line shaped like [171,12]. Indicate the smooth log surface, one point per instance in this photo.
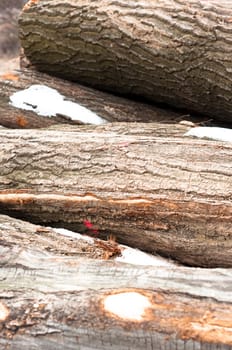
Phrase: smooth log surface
[107,106]
[52,301]
[144,183]
[167,51]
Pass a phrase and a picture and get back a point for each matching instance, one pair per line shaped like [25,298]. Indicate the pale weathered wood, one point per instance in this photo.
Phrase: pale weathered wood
[143,183]
[50,301]
[169,51]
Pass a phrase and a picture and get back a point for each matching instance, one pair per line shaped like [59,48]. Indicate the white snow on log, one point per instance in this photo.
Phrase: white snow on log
[75,235]
[212,133]
[129,306]
[137,257]
[128,255]
[48,102]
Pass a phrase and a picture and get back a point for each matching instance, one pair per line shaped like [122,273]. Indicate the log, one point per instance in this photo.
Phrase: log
[145,184]
[107,106]
[51,301]
[170,52]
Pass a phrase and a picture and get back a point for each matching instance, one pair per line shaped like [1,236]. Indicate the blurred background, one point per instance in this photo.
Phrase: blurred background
[9,43]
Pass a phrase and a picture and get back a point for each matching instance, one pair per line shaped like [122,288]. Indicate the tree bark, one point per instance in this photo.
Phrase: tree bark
[51,301]
[107,106]
[169,52]
[143,183]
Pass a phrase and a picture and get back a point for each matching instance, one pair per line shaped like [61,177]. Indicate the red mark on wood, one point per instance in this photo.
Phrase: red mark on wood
[89,226]
[21,121]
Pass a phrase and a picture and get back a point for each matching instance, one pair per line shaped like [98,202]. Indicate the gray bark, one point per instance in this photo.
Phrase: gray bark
[51,301]
[171,52]
[145,183]
[107,106]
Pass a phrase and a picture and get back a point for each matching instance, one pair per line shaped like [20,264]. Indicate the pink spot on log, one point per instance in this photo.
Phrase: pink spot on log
[89,226]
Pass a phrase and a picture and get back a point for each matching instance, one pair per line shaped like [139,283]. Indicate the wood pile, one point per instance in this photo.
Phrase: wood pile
[96,139]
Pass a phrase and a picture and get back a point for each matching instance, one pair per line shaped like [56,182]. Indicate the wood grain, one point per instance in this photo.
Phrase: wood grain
[168,51]
[143,183]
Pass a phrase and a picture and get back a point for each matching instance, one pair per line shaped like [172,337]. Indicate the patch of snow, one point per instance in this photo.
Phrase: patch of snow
[128,255]
[212,133]
[137,257]
[48,102]
[72,234]
[127,305]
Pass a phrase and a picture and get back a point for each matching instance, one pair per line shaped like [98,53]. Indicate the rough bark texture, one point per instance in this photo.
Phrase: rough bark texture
[167,51]
[143,184]
[17,234]
[52,302]
[110,107]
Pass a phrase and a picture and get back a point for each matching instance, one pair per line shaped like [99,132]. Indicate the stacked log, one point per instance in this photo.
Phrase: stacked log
[137,179]
[54,301]
[149,188]
[168,52]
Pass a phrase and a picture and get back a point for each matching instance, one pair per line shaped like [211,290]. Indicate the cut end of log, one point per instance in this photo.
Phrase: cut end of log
[128,306]
[4,312]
